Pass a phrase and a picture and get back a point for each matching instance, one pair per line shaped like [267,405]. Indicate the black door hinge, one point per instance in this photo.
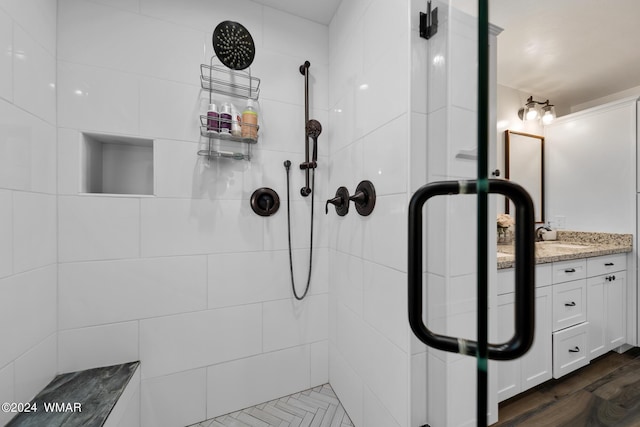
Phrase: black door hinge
[429,22]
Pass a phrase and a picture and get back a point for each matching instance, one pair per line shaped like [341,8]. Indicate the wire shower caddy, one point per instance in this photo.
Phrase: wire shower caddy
[219,79]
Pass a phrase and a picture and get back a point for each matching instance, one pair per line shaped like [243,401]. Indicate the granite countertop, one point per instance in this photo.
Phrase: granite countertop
[571,245]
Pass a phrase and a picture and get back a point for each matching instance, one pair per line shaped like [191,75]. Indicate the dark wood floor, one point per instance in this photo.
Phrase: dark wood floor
[604,393]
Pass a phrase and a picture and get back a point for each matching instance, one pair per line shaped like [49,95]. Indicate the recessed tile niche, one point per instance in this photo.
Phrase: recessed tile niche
[114,164]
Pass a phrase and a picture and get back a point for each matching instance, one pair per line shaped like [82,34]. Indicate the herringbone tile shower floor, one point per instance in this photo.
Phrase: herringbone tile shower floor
[316,407]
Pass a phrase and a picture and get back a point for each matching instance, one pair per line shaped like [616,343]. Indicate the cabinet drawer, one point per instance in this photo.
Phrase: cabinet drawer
[570,349]
[565,271]
[569,304]
[507,278]
[606,264]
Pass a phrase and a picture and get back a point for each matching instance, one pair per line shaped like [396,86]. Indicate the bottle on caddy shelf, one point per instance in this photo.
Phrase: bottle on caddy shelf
[250,121]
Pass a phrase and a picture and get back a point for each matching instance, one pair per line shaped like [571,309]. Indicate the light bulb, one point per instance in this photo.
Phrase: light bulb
[532,113]
[548,114]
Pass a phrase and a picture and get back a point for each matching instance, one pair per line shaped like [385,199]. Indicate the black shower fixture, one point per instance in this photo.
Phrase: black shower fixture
[265,201]
[233,45]
[340,201]
[365,198]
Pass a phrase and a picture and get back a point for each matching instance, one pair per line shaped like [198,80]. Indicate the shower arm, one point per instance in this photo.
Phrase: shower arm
[306,190]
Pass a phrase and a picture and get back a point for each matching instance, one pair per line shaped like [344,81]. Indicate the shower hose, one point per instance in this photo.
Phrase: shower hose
[287,164]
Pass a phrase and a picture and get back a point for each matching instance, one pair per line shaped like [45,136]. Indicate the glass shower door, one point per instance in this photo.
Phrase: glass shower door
[449,288]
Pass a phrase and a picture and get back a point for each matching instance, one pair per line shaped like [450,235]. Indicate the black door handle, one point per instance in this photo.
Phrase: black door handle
[522,339]
[608,264]
[575,349]
[570,270]
[570,304]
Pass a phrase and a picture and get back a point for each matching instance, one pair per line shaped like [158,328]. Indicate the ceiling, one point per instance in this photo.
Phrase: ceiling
[570,51]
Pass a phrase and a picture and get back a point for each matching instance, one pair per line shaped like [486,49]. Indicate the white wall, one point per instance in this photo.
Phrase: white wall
[28,251]
[590,168]
[370,123]
[190,281]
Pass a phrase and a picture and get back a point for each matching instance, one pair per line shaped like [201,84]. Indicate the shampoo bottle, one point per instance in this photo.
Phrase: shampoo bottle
[235,124]
[250,121]
[213,122]
[225,118]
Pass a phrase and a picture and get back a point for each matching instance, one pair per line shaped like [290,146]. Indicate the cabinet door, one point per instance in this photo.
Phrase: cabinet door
[596,300]
[509,382]
[616,310]
[537,363]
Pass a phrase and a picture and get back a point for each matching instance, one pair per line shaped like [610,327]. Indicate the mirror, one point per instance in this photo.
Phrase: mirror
[524,165]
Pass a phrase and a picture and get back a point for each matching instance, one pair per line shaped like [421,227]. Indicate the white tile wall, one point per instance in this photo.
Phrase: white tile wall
[385,302]
[369,139]
[97,99]
[198,14]
[37,18]
[27,198]
[233,283]
[27,306]
[33,76]
[35,368]
[310,38]
[195,226]
[346,168]
[98,228]
[28,146]
[6,56]
[204,277]
[348,280]
[106,345]
[419,389]
[95,293]
[384,236]
[193,340]
[179,173]
[288,323]
[385,157]
[7,394]
[246,382]
[386,373]
[177,399]
[170,110]
[141,45]
[319,356]
[6,233]
[195,232]
[347,384]
[375,414]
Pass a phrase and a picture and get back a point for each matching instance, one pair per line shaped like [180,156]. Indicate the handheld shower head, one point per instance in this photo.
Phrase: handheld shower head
[313,128]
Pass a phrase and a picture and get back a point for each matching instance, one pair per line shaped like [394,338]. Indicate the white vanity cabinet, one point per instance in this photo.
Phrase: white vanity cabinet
[606,303]
[580,314]
[535,367]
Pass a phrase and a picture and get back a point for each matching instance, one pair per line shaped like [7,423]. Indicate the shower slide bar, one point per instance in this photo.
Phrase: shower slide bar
[309,131]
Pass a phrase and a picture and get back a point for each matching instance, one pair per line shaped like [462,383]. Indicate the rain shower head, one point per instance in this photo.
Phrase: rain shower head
[313,128]
[233,45]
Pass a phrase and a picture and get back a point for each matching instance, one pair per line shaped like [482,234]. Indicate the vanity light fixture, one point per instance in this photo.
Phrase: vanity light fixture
[546,112]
